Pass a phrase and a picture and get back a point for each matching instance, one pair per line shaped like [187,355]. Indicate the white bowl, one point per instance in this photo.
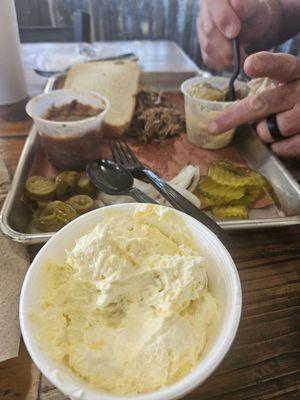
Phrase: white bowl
[224,284]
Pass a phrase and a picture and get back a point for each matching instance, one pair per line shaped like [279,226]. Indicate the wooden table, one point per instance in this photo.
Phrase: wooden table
[264,361]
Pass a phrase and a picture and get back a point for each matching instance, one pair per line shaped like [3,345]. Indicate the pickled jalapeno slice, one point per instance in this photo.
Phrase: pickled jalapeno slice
[40,188]
[82,203]
[65,184]
[54,216]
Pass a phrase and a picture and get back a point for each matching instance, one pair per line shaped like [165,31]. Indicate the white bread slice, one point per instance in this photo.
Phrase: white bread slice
[116,80]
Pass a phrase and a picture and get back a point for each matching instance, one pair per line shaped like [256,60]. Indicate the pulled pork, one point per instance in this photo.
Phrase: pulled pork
[154,119]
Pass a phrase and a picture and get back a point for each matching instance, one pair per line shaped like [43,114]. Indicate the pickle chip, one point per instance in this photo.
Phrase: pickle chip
[208,202]
[230,212]
[54,216]
[40,188]
[253,193]
[84,186]
[225,173]
[212,189]
[65,184]
[82,203]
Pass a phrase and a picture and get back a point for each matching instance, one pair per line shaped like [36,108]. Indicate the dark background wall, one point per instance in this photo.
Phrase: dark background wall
[120,19]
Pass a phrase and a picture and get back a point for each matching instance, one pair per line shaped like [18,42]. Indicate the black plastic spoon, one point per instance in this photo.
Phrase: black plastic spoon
[114,179]
[231,95]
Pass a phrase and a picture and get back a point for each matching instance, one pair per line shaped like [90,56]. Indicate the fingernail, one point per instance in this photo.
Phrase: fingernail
[213,128]
[230,31]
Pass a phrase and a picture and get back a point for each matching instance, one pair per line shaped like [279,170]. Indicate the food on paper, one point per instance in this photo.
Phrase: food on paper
[53,216]
[116,80]
[154,118]
[229,190]
[130,310]
[73,111]
[40,188]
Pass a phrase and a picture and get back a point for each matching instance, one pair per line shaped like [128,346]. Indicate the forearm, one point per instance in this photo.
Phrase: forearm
[290,26]
[285,17]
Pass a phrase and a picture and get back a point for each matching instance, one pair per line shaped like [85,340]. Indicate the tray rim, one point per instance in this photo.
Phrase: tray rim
[34,238]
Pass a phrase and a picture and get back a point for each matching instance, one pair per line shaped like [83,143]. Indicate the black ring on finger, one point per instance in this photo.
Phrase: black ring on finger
[273,128]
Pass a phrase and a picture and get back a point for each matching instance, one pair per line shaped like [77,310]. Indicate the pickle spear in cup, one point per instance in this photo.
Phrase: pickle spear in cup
[204,100]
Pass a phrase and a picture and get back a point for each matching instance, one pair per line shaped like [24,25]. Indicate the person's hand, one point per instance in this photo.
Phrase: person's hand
[258,22]
[283,100]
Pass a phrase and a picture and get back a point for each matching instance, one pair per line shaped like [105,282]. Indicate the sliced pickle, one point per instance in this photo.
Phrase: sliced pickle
[208,202]
[253,193]
[84,186]
[54,216]
[212,189]
[40,188]
[82,203]
[232,175]
[230,212]
[65,184]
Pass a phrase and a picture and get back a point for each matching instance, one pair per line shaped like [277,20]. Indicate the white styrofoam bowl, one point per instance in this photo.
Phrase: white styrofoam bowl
[224,284]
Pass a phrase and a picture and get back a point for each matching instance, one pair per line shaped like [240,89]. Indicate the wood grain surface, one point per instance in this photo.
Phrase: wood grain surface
[264,360]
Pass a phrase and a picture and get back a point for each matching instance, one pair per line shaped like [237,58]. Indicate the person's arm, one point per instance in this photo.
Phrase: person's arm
[290,10]
[261,25]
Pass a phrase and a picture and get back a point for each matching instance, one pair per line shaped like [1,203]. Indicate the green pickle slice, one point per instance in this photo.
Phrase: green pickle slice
[65,184]
[230,212]
[212,189]
[40,188]
[82,203]
[54,216]
[225,173]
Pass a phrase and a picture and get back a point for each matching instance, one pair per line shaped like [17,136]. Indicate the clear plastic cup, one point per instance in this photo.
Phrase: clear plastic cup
[199,113]
[69,144]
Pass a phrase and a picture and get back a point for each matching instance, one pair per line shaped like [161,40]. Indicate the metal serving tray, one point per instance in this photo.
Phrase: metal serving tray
[15,217]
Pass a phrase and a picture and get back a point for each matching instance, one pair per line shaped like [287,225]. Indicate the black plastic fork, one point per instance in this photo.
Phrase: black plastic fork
[231,94]
[122,154]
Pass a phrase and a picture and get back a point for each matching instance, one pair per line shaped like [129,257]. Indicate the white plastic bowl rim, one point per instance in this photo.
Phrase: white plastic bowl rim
[175,391]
